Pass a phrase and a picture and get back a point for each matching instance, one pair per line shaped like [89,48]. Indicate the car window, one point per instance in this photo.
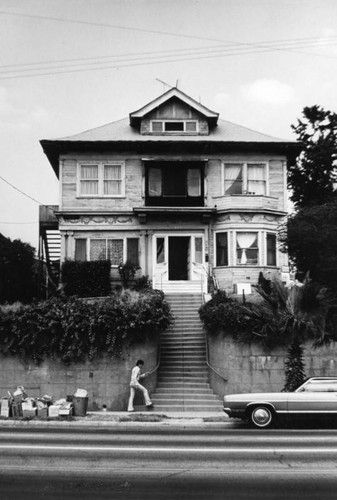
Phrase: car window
[319,386]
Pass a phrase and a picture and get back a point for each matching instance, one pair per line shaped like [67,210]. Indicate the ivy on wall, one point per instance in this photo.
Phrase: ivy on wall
[73,329]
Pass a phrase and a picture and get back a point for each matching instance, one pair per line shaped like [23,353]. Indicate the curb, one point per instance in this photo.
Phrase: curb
[123,420]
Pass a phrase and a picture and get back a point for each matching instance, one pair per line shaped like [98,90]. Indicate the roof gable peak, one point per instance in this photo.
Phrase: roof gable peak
[136,116]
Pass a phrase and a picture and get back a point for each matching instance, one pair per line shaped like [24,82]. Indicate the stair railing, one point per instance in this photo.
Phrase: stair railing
[209,364]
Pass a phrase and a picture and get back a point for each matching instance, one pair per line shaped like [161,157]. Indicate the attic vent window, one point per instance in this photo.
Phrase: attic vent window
[171,126]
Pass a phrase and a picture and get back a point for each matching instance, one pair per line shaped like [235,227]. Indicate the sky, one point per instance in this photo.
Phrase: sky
[71,65]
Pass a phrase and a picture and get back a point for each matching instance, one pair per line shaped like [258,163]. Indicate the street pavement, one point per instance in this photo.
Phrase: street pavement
[204,457]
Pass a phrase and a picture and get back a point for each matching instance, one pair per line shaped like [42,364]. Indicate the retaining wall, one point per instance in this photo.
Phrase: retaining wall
[106,380]
[250,368]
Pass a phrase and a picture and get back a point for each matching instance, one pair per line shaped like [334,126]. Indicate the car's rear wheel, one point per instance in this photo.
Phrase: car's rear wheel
[261,416]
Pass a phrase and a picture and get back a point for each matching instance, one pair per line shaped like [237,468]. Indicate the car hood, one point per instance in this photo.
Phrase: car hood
[258,396]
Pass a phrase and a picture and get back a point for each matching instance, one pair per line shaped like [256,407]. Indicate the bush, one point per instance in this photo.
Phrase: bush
[86,279]
[245,322]
[225,315]
[75,329]
[127,272]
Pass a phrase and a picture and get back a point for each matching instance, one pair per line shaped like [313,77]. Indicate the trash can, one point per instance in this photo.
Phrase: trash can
[80,406]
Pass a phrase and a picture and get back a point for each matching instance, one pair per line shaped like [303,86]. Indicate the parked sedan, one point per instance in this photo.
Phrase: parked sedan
[317,395]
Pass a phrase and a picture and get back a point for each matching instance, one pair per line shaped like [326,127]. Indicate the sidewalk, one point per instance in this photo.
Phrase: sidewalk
[101,420]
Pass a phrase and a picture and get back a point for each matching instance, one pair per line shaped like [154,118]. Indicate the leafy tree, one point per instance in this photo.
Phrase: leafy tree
[310,238]
[17,270]
[312,177]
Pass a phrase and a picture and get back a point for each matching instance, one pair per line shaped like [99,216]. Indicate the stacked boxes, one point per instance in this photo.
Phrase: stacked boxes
[19,404]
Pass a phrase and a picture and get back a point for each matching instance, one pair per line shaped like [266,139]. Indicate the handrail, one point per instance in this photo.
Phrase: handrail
[210,366]
[158,362]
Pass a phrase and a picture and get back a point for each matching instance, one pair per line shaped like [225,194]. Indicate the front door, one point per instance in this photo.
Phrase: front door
[178,258]
[178,263]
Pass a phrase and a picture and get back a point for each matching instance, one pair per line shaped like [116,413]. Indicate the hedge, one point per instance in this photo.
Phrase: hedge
[86,279]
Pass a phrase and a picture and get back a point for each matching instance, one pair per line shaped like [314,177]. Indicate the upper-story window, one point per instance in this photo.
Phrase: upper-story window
[245,178]
[174,126]
[174,184]
[99,179]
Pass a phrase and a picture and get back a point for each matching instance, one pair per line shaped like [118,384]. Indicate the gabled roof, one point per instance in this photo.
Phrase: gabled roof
[136,116]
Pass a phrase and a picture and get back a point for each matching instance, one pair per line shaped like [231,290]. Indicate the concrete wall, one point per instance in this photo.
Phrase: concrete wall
[250,368]
[106,380]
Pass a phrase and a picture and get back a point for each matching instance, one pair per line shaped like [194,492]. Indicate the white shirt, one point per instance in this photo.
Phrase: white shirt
[135,375]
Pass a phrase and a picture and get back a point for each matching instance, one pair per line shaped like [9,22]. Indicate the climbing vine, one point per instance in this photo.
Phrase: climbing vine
[73,329]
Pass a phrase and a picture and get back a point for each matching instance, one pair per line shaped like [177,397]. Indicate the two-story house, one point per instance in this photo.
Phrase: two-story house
[177,190]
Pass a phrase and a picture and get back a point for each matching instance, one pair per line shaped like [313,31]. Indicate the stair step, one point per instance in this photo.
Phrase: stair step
[184,396]
[188,408]
[182,390]
[182,379]
[198,360]
[185,384]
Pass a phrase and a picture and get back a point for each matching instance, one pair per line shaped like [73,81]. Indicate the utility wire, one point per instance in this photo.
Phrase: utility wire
[129,58]
[9,75]
[277,44]
[7,222]
[25,194]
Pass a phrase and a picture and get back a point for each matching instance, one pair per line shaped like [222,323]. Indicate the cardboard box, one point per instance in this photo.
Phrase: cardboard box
[53,410]
[5,407]
[29,413]
[66,410]
[42,412]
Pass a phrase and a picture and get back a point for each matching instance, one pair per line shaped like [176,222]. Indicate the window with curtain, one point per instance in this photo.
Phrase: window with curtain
[112,179]
[221,249]
[247,251]
[256,178]
[98,250]
[193,182]
[155,182]
[101,179]
[115,252]
[245,178]
[89,179]
[171,183]
[233,178]
[271,249]
[160,250]
[80,249]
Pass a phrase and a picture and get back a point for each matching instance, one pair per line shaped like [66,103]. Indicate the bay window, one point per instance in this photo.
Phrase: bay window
[247,249]
[245,178]
[271,249]
[221,249]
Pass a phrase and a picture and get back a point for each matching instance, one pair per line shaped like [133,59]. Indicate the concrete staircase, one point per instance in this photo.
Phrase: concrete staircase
[183,383]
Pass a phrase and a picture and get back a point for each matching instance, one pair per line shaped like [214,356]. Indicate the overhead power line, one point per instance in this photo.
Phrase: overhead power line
[25,194]
[182,56]
[226,49]
[135,56]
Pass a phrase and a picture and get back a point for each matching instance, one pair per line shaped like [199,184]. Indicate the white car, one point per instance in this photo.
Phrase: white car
[317,395]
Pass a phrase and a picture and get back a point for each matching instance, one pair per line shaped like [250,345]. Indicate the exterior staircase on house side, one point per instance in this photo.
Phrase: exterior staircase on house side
[183,382]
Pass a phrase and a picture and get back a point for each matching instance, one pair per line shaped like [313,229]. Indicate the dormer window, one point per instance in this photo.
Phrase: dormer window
[174,126]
